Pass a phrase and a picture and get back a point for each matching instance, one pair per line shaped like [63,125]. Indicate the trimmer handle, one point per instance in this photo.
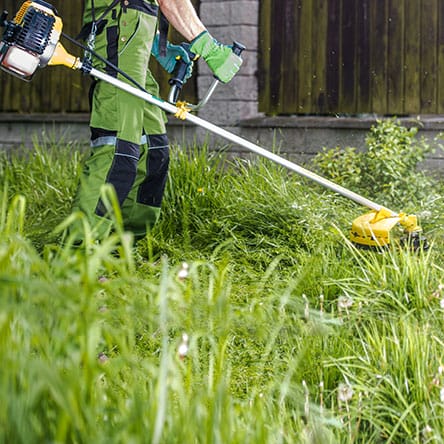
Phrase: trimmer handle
[179,78]
[238,48]
[180,73]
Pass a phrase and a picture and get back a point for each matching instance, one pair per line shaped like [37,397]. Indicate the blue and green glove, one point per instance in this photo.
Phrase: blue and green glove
[174,53]
[219,57]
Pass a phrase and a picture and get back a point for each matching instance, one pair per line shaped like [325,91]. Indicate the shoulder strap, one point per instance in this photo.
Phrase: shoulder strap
[96,24]
[163,34]
[106,12]
[93,12]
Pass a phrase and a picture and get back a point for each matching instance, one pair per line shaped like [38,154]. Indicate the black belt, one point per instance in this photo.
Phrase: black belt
[140,5]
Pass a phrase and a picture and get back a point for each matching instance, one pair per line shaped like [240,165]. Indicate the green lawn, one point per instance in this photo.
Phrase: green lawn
[277,329]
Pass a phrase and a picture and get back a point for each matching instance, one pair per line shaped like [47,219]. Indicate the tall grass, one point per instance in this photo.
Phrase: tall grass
[276,330]
[47,177]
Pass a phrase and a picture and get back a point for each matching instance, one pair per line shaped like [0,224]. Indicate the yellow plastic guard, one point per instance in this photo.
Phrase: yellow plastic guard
[409,222]
[373,229]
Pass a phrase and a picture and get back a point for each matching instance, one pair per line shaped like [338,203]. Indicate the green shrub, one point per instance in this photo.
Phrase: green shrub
[387,171]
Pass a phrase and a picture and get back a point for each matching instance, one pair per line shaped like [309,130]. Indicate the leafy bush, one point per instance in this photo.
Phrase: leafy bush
[387,170]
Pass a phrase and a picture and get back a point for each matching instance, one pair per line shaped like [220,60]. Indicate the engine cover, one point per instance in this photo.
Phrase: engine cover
[30,39]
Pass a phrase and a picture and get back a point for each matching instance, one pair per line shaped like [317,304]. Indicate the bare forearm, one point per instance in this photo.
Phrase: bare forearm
[183,17]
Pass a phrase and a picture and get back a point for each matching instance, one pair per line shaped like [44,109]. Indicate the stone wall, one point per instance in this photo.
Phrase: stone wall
[233,106]
[297,138]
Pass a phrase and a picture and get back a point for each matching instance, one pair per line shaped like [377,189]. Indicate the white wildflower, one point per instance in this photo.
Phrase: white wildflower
[345,392]
[183,272]
[103,359]
[183,347]
[441,395]
[436,381]
[425,214]
[427,430]
[437,293]
[345,302]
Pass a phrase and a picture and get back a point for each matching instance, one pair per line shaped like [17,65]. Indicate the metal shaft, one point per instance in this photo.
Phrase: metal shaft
[242,142]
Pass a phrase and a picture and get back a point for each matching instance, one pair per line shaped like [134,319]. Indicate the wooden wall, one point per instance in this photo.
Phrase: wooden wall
[316,57]
[352,56]
[58,89]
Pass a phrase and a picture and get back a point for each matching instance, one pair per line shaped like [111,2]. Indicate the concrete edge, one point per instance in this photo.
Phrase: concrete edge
[430,122]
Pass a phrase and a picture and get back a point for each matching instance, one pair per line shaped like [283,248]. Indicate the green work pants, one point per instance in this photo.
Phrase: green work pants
[129,146]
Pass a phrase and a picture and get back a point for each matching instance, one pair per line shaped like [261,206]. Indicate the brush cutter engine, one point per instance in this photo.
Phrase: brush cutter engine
[30,39]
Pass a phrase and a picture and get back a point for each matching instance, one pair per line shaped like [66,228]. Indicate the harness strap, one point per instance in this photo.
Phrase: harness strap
[96,25]
[93,12]
[140,5]
[163,34]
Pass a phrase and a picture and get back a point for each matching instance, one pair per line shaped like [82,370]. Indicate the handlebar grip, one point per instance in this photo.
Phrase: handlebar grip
[181,66]
[238,48]
[178,79]
[180,73]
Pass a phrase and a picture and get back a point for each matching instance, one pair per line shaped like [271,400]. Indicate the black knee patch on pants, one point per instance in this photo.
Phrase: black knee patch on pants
[151,190]
[122,173]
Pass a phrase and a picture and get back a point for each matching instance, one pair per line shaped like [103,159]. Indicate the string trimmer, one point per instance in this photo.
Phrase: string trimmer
[32,40]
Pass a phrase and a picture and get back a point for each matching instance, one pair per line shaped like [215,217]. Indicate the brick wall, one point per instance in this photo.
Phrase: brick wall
[228,21]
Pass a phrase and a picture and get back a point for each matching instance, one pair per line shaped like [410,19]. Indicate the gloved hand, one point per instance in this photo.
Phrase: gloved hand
[220,58]
[173,54]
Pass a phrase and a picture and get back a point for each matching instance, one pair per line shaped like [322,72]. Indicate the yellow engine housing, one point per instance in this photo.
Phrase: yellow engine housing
[18,53]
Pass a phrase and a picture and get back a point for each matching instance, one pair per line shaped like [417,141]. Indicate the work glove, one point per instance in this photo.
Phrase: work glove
[220,58]
[174,53]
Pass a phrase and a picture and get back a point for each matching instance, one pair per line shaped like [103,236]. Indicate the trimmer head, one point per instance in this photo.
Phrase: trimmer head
[373,230]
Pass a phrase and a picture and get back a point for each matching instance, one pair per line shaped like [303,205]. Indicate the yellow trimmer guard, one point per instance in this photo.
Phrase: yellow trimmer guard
[373,229]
